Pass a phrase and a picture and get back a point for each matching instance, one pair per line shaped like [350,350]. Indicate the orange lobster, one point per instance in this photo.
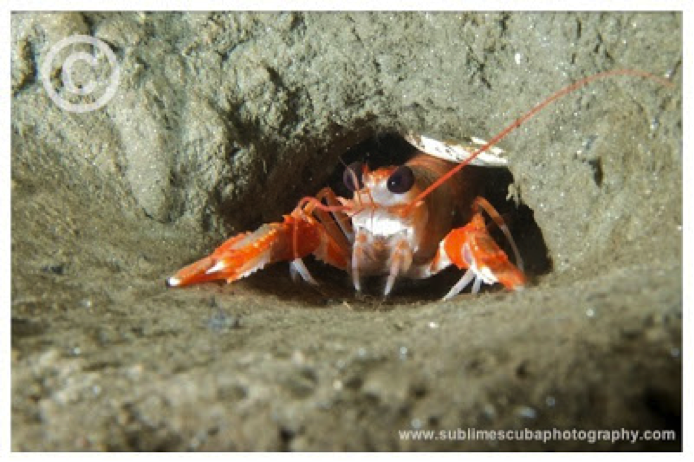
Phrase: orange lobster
[398,223]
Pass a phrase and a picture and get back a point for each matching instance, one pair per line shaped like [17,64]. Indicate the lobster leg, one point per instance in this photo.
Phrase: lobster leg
[338,228]
[400,262]
[299,235]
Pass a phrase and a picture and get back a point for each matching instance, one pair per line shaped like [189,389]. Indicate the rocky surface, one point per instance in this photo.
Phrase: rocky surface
[222,122]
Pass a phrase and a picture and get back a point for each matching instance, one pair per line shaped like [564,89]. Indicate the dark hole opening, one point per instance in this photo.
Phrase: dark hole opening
[391,149]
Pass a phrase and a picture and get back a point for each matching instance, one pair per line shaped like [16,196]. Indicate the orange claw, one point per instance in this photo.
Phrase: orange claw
[248,252]
[471,247]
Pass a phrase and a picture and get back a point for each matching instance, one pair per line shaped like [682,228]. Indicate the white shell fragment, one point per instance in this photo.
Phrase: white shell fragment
[447,150]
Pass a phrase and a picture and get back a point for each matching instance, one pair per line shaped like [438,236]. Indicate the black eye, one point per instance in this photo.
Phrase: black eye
[353,173]
[401,180]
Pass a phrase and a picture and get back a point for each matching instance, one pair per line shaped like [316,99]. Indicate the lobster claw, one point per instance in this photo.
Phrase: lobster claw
[472,248]
[230,261]
[296,237]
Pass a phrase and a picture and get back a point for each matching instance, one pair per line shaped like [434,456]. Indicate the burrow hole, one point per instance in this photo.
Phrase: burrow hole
[391,149]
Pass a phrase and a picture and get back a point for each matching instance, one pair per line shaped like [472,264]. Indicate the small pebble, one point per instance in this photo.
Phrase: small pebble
[298,357]
[527,412]
[489,411]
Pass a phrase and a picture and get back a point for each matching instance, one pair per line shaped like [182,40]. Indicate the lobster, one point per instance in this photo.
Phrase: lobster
[398,223]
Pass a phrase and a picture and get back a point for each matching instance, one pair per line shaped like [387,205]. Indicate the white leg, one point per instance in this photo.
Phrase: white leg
[476,285]
[297,267]
[357,252]
[401,260]
[460,285]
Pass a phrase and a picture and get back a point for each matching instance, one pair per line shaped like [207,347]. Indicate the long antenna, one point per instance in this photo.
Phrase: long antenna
[528,115]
